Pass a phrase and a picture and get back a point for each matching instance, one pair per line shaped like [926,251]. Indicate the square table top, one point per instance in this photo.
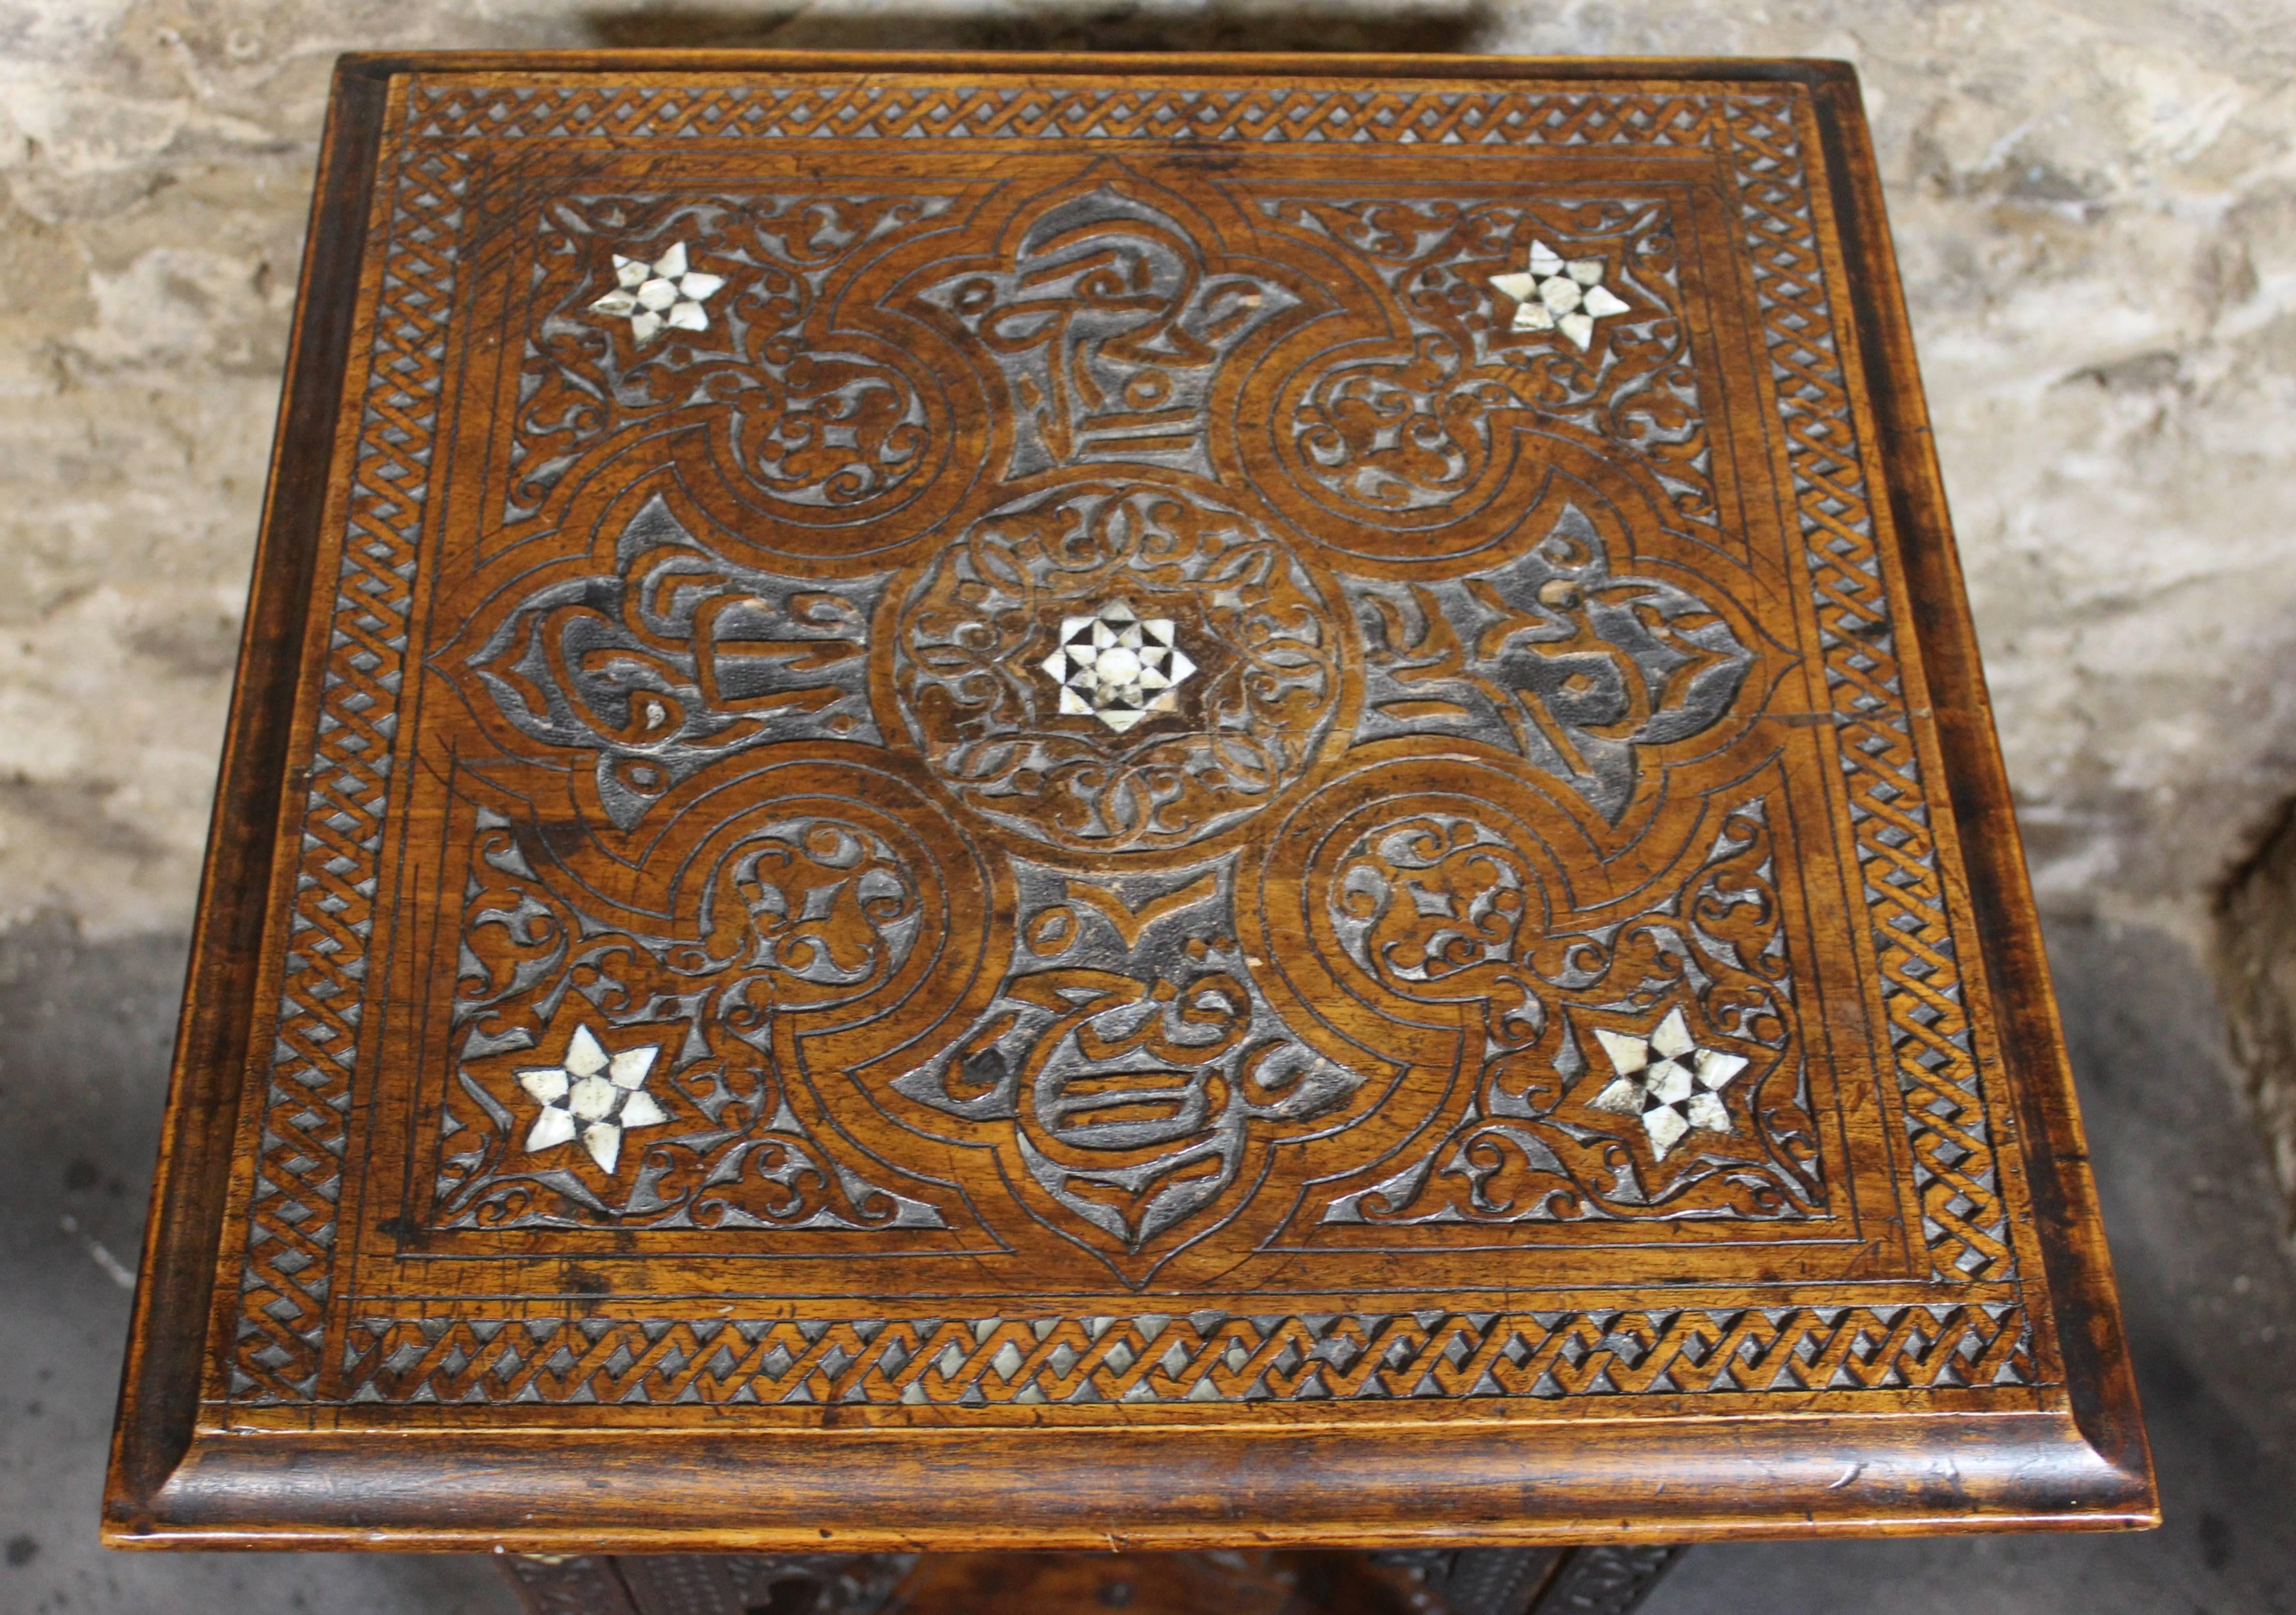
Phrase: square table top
[1030,801]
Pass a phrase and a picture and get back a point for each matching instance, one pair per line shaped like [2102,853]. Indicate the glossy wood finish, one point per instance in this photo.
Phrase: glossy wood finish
[1529,1029]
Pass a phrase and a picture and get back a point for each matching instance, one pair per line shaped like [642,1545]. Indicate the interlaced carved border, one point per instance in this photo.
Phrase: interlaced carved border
[1962,1217]
[286,1283]
[992,1361]
[291,1233]
[455,110]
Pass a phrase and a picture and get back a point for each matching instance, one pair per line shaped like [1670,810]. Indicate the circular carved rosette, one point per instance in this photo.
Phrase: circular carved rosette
[821,894]
[1422,892]
[1413,431]
[637,1020]
[1117,667]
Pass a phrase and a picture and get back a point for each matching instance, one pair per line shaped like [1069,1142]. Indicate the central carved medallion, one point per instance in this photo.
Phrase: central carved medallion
[1105,581]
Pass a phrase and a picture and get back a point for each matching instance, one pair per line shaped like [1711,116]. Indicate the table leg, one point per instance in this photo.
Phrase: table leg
[576,1584]
[1461,1581]
[1531,1581]
[1603,1580]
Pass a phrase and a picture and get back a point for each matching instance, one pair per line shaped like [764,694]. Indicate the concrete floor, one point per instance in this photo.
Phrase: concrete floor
[2210,1301]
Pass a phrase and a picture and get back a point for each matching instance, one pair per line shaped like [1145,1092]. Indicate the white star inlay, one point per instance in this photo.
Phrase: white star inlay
[1668,1081]
[662,294]
[592,1095]
[1560,295]
[1117,667]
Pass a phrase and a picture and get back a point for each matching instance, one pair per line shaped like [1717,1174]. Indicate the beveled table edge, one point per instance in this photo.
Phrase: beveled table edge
[170,1486]
[1680,1480]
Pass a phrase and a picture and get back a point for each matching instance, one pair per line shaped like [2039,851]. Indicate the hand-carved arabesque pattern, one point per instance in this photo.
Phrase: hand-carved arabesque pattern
[822,421]
[1475,554]
[1132,1088]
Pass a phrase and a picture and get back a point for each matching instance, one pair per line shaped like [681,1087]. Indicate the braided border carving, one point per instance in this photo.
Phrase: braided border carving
[292,1210]
[1962,1214]
[286,1284]
[993,1362]
[973,112]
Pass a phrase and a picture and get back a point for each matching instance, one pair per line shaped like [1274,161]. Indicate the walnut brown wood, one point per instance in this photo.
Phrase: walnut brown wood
[1049,802]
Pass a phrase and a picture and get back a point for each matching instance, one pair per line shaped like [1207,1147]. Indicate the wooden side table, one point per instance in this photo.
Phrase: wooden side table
[1232,806]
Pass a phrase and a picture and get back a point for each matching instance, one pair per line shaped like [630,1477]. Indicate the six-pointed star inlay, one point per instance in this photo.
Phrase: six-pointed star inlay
[1117,666]
[663,294]
[1560,295]
[1668,1081]
[594,1095]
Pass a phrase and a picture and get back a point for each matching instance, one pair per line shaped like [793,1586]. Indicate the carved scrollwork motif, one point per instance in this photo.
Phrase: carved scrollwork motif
[1551,655]
[1433,907]
[1417,427]
[677,658]
[818,419]
[977,627]
[825,909]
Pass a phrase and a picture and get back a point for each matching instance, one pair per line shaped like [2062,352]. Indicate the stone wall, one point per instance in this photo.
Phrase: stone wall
[2096,205]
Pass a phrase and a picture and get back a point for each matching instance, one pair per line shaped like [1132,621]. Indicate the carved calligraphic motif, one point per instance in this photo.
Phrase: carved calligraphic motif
[1109,322]
[676,659]
[1552,655]
[1135,1063]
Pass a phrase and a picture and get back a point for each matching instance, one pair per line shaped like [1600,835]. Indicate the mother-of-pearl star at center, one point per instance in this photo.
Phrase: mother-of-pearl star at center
[1667,1081]
[1117,666]
[1560,295]
[594,1095]
[664,293]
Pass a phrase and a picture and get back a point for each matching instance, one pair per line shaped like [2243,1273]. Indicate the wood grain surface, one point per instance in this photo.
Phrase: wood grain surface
[1054,802]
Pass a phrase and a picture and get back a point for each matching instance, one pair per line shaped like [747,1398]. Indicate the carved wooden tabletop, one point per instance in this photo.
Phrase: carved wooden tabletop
[1040,801]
